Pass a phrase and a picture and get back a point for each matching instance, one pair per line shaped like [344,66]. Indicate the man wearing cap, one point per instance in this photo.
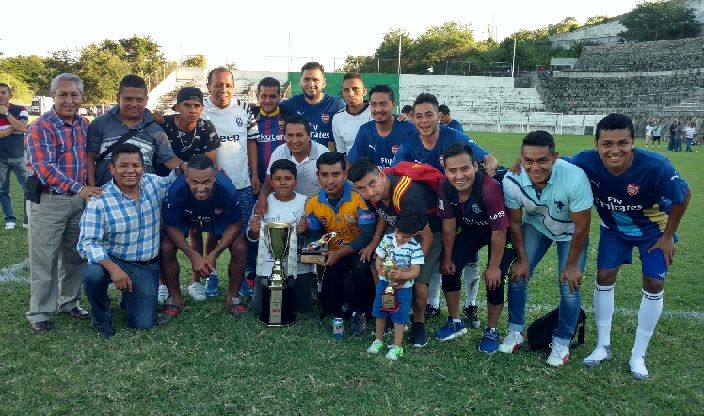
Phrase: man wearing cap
[189,135]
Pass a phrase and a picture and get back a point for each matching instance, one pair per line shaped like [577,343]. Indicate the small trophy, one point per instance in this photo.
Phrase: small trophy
[277,301]
[389,301]
[315,252]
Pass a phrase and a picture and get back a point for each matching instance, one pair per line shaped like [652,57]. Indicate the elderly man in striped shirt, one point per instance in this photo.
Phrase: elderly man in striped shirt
[120,234]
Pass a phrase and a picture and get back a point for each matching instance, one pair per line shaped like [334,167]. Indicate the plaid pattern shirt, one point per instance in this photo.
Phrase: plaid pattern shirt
[114,224]
[57,151]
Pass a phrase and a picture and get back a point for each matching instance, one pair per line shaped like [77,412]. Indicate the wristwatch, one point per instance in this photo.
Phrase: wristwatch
[6,113]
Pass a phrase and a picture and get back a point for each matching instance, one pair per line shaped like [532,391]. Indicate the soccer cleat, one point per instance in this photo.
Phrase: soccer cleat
[245,290]
[512,341]
[358,324]
[168,313]
[600,353]
[490,341]
[395,353]
[25,226]
[10,225]
[419,339]
[196,291]
[376,346]
[431,311]
[451,330]
[470,312]
[559,355]
[162,294]
[211,285]
[638,369]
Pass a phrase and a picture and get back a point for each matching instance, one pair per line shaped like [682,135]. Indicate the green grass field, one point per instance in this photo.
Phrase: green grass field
[205,362]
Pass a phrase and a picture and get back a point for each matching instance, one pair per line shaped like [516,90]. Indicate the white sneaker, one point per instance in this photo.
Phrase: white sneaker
[600,353]
[197,291]
[559,355]
[10,226]
[162,295]
[512,341]
[25,226]
[638,370]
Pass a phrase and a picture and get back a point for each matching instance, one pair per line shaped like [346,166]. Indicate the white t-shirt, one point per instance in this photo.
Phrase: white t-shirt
[234,124]
[345,127]
[689,132]
[306,179]
[278,211]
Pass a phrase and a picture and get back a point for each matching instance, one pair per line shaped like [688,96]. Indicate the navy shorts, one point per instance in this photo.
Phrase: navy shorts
[616,249]
[404,303]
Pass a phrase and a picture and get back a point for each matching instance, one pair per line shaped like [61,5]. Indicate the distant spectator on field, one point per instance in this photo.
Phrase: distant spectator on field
[657,133]
[648,134]
[446,119]
[13,124]
[671,137]
[689,133]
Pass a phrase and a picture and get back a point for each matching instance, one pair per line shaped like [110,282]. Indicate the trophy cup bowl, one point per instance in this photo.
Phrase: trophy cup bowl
[277,296]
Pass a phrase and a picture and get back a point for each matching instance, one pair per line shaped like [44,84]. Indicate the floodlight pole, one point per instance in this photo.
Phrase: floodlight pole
[513,63]
[400,36]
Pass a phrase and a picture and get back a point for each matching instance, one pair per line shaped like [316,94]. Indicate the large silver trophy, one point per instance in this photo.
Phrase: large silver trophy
[277,300]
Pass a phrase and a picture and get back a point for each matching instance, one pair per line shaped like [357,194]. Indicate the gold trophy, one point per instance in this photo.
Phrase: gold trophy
[277,302]
[389,301]
[315,252]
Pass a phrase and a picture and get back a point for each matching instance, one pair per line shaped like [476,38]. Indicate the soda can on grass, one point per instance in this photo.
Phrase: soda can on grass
[338,328]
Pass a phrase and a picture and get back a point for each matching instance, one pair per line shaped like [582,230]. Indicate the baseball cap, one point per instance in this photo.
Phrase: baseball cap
[189,93]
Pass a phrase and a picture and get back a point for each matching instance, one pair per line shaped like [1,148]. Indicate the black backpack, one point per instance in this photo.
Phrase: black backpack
[540,332]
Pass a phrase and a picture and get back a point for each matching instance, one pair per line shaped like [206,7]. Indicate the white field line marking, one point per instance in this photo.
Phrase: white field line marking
[11,272]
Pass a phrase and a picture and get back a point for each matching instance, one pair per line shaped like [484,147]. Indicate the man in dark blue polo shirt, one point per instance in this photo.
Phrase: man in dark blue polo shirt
[13,123]
[207,197]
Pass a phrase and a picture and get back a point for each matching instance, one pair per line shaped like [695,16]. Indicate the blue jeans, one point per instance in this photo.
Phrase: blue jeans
[139,304]
[247,200]
[536,245]
[19,166]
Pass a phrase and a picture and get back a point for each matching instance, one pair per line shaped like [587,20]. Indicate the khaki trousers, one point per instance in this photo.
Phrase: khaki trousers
[54,263]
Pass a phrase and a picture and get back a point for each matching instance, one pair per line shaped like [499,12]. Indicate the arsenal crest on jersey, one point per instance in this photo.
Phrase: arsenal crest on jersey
[325,117]
[632,189]
[394,149]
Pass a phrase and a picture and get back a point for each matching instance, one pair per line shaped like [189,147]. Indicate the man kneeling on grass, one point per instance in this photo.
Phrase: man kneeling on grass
[120,239]
[202,196]
[407,257]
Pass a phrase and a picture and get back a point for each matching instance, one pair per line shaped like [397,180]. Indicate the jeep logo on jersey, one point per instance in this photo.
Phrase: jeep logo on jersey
[239,122]
[632,189]
[394,149]
[325,117]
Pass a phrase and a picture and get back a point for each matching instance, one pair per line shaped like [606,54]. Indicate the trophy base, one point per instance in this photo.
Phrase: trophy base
[277,306]
[313,257]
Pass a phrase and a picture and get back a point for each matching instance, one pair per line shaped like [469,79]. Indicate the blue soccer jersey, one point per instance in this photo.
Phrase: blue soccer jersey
[380,150]
[318,115]
[182,210]
[637,202]
[454,124]
[271,136]
[413,150]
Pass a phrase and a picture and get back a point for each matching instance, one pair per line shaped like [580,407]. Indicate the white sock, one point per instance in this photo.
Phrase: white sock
[434,290]
[471,283]
[648,315]
[603,312]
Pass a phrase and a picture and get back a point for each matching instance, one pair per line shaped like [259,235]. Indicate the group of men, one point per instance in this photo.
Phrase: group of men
[229,168]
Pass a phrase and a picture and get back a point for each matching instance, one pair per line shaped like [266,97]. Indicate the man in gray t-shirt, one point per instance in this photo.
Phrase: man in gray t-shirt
[129,114]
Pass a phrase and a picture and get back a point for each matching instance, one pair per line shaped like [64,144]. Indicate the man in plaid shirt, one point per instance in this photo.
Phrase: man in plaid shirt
[120,234]
[56,146]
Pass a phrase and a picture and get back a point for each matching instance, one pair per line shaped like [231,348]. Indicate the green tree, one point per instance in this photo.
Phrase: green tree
[63,60]
[20,90]
[595,20]
[196,61]
[568,24]
[31,70]
[142,53]
[101,71]
[439,44]
[659,20]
